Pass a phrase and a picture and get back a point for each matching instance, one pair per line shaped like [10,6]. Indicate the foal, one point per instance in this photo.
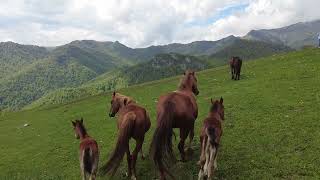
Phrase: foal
[89,152]
[133,121]
[211,132]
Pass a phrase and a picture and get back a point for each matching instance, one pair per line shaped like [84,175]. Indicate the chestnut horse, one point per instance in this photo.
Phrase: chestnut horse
[210,139]
[133,121]
[177,109]
[235,66]
[89,152]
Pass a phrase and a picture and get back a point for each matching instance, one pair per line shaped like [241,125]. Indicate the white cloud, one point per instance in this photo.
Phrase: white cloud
[140,23]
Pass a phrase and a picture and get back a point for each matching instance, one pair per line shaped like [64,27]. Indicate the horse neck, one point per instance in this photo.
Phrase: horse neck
[82,133]
[215,115]
[185,88]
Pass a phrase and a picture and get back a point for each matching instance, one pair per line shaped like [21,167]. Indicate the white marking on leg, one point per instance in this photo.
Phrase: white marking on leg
[211,163]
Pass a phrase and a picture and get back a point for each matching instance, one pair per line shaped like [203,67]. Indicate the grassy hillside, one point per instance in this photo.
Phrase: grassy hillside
[271,129]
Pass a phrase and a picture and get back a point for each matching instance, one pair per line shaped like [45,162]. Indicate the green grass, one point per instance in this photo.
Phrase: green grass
[271,129]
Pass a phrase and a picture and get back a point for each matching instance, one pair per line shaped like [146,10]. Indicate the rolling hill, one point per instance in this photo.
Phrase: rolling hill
[270,129]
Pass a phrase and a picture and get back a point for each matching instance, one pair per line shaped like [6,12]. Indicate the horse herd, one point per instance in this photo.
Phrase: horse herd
[177,109]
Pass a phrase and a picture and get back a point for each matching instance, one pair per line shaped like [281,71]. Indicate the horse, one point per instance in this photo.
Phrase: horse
[89,151]
[177,109]
[133,122]
[210,136]
[235,66]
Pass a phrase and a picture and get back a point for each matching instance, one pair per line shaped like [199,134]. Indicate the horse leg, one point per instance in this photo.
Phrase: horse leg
[141,151]
[129,161]
[139,143]
[191,135]
[231,72]
[183,135]
[211,162]
[83,172]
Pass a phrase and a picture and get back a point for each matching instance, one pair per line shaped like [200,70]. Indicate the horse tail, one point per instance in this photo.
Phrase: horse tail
[161,145]
[211,133]
[122,145]
[87,159]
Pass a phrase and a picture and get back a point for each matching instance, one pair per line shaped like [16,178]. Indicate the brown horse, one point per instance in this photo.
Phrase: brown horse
[89,152]
[175,110]
[235,66]
[210,139]
[133,121]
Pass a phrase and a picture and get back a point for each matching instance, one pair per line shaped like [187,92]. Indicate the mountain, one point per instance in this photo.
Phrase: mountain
[193,48]
[14,57]
[159,67]
[294,36]
[28,73]
[249,49]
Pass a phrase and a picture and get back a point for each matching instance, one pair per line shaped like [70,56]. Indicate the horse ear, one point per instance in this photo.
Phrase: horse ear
[211,101]
[192,73]
[114,93]
[73,124]
[81,120]
[125,101]
[221,100]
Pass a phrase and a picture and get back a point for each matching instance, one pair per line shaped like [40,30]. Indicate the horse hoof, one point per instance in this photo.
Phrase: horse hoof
[133,178]
[143,158]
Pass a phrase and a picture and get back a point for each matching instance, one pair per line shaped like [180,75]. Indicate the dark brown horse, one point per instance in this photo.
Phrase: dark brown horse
[89,152]
[133,121]
[177,109]
[210,136]
[235,66]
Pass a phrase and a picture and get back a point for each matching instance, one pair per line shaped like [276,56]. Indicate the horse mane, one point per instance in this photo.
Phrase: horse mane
[81,127]
[184,80]
[215,106]
[121,97]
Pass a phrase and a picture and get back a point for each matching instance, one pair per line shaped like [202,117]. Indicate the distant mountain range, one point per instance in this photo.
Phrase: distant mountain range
[28,72]
[294,36]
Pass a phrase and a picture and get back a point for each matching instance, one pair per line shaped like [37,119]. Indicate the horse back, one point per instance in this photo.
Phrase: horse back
[138,114]
[185,107]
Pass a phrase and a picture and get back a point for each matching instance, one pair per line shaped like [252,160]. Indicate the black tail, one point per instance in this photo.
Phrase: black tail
[211,133]
[161,145]
[87,160]
[122,146]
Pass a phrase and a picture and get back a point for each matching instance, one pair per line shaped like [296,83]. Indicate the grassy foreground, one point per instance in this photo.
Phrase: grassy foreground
[271,129]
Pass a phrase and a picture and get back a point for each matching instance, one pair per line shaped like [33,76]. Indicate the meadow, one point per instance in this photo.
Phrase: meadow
[271,128]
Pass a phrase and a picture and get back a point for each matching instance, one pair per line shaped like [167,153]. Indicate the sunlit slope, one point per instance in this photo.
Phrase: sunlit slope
[271,129]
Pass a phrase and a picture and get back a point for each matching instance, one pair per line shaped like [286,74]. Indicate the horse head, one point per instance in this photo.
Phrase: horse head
[217,106]
[189,82]
[117,102]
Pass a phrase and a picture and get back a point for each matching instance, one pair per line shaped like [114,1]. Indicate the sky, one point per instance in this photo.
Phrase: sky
[142,23]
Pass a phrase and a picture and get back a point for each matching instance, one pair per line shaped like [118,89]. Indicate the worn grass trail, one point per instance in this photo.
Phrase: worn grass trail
[271,129]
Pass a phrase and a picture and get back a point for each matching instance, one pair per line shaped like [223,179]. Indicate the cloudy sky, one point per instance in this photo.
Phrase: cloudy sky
[141,23]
